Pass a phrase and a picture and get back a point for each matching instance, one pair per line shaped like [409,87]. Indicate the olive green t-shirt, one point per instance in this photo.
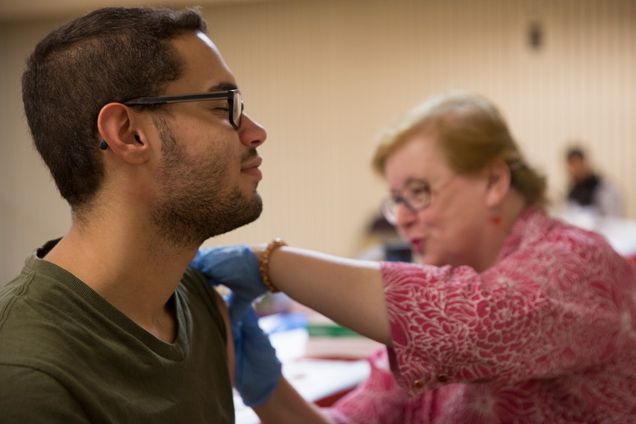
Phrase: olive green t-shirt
[69,356]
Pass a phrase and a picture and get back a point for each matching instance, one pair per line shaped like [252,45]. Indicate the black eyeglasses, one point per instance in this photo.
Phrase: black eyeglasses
[233,97]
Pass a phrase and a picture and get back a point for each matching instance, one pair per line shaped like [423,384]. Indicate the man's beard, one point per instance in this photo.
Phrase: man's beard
[189,221]
[195,203]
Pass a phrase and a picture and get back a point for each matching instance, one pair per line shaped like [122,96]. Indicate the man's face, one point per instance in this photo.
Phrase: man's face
[208,172]
[577,168]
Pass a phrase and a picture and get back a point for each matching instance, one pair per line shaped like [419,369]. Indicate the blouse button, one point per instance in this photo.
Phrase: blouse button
[418,384]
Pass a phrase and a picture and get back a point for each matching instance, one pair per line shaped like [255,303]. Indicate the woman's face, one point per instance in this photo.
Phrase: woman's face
[449,230]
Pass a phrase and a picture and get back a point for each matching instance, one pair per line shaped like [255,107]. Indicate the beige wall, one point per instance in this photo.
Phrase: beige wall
[324,77]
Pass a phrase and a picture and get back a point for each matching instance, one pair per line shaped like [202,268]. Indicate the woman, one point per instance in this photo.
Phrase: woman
[512,316]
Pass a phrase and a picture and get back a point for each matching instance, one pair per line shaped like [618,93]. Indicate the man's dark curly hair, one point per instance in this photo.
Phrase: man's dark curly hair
[111,54]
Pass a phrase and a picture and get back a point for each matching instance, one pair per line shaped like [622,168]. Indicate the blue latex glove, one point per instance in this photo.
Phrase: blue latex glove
[236,267]
[258,370]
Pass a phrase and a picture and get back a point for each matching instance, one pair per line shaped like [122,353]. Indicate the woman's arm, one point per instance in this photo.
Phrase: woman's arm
[350,292]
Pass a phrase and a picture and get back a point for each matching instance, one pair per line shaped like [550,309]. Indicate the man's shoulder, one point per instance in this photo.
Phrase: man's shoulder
[195,283]
[13,296]
[34,316]
[28,394]
[201,296]
[12,290]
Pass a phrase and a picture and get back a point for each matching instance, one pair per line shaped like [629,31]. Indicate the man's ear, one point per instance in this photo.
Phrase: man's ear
[498,175]
[121,133]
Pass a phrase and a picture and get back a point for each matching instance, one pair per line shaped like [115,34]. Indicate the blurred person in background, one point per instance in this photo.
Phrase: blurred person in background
[381,242]
[587,189]
[512,316]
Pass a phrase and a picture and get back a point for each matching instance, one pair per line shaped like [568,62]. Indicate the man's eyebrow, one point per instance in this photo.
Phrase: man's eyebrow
[223,86]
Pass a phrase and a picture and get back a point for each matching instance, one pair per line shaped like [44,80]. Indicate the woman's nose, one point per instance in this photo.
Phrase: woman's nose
[405,216]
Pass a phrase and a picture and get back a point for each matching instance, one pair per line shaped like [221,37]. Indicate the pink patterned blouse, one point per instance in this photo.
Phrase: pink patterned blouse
[546,335]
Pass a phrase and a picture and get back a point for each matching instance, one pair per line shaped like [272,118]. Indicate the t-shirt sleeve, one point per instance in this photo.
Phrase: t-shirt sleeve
[31,396]
[197,283]
[549,309]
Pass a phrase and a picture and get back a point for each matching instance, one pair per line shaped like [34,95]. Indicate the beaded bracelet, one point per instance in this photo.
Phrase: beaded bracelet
[264,263]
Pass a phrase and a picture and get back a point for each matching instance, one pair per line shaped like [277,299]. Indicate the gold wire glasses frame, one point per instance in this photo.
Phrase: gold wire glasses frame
[414,202]
[418,196]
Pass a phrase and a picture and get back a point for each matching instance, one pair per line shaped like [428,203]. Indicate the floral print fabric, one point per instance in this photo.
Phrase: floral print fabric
[546,335]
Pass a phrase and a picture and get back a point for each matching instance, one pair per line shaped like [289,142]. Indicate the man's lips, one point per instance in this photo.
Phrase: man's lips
[253,163]
[251,167]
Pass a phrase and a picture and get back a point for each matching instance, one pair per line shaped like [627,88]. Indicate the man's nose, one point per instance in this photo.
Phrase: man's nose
[251,133]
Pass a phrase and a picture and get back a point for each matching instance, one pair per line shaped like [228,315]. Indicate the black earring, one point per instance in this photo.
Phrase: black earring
[102,144]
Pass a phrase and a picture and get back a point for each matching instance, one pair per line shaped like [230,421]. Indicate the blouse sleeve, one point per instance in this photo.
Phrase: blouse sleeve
[379,399]
[557,306]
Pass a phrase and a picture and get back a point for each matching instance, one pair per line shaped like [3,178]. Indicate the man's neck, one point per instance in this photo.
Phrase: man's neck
[130,267]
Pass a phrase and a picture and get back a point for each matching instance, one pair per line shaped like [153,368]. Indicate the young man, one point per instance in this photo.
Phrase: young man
[589,190]
[141,124]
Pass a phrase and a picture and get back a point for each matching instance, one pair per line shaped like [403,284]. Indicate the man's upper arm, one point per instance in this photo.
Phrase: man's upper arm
[215,303]
[31,396]
[230,340]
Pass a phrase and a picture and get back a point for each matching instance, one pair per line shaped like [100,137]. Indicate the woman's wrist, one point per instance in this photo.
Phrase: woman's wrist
[264,257]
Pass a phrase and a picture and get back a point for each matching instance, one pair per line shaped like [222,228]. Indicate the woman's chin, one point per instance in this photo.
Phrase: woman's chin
[432,259]
[428,259]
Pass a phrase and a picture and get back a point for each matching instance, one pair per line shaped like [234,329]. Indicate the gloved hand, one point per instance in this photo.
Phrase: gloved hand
[236,267]
[258,370]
